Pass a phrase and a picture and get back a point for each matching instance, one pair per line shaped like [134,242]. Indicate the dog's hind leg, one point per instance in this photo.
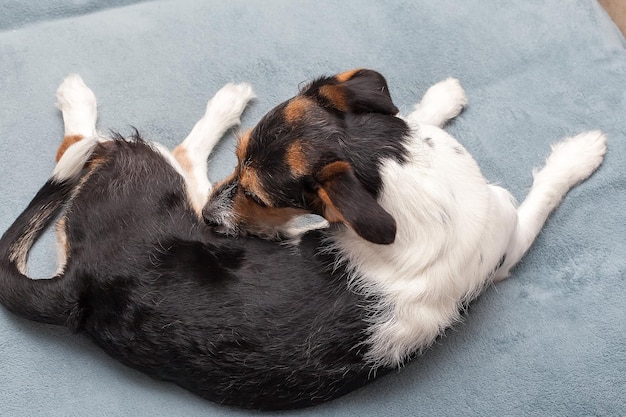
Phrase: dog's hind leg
[78,105]
[222,113]
[572,160]
[441,103]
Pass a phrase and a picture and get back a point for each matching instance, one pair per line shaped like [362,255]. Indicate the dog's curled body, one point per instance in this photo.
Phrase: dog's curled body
[416,233]
[245,322]
[250,323]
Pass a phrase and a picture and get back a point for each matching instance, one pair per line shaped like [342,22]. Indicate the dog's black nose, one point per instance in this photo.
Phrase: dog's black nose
[213,221]
[209,218]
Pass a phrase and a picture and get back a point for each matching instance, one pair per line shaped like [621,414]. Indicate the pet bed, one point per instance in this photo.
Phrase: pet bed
[551,340]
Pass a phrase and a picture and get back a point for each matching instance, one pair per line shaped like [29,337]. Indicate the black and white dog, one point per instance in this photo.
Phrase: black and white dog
[418,227]
[259,324]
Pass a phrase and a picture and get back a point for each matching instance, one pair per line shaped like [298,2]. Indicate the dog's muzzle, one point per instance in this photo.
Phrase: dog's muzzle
[218,211]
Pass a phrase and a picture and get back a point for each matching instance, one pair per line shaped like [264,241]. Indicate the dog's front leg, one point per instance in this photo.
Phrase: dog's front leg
[441,103]
[222,113]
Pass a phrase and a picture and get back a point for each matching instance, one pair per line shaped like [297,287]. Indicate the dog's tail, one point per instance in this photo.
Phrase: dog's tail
[44,300]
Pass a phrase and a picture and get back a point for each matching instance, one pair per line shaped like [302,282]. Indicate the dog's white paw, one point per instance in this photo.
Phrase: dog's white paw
[442,102]
[79,107]
[448,95]
[230,101]
[74,93]
[575,159]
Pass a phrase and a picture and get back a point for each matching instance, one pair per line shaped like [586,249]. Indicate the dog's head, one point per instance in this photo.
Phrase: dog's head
[319,152]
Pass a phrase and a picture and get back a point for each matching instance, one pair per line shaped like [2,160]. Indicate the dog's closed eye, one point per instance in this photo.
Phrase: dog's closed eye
[254,198]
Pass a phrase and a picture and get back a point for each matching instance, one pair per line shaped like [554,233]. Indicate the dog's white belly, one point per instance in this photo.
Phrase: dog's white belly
[452,230]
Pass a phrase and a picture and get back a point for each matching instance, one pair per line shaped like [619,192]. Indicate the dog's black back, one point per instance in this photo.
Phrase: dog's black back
[243,322]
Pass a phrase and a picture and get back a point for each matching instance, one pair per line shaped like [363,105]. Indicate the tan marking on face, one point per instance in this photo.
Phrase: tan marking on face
[249,181]
[345,76]
[68,141]
[262,220]
[297,109]
[242,145]
[336,95]
[296,159]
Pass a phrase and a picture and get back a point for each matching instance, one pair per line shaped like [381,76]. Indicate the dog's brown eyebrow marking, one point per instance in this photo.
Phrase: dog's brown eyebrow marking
[296,159]
[296,109]
[249,181]
[242,145]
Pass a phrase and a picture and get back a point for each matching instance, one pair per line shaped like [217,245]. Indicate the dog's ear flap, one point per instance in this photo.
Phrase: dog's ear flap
[343,199]
[356,91]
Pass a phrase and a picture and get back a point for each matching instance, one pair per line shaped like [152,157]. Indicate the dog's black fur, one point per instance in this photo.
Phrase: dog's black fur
[335,122]
[245,322]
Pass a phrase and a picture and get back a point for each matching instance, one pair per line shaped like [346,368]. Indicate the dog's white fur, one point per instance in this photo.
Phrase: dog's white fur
[78,104]
[80,112]
[453,227]
[223,112]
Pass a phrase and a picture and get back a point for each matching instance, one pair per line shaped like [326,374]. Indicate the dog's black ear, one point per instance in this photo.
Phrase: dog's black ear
[343,199]
[356,91]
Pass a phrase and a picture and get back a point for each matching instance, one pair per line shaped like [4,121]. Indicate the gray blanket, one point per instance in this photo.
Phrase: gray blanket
[549,341]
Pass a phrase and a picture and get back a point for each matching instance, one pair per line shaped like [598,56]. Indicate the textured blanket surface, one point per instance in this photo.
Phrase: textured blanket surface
[549,341]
